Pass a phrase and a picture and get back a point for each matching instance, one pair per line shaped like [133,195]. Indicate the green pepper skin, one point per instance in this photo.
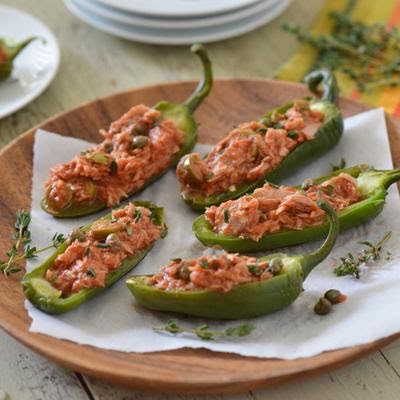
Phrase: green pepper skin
[8,53]
[47,298]
[327,136]
[243,301]
[372,184]
[181,114]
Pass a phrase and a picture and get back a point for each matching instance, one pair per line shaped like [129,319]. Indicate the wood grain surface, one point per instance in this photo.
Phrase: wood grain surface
[187,370]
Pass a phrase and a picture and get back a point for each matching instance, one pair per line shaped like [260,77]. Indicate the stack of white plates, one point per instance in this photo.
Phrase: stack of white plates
[176,21]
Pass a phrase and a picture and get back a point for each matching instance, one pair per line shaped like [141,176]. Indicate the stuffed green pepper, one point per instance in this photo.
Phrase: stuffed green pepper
[136,150]
[268,149]
[94,257]
[230,286]
[273,216]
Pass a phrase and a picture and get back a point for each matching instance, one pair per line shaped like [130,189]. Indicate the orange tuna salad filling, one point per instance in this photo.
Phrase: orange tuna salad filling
[221,273]
[136,148]
[272,208]
[249,152]
[91,255]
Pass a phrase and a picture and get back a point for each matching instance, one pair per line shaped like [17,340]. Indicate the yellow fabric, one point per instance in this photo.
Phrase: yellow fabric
[368,11]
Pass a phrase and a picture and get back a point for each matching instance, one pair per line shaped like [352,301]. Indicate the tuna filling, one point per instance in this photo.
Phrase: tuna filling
[221,273]
[249,152]
[136,148]
[271,208]
[91,255]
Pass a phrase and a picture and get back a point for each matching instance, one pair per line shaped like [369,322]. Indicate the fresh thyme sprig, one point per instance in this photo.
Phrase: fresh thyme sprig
[203,331]
[351,264]
[367,54]
[22,238]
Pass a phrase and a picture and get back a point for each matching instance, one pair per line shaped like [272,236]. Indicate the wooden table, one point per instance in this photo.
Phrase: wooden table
[94,64]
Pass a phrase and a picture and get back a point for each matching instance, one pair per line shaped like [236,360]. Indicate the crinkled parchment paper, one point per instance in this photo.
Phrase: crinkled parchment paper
[114,321]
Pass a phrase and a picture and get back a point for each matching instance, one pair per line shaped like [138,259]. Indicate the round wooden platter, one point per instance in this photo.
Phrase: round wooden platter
[186,370]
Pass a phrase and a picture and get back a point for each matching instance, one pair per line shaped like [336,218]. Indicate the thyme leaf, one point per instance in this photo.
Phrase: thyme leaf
[22,243]
[203,332]
[350,265]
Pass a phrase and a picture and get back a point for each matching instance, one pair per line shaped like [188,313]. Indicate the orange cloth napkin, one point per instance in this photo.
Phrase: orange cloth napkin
[368,11]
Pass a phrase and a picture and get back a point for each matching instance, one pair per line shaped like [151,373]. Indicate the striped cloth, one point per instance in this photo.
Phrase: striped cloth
[368,11]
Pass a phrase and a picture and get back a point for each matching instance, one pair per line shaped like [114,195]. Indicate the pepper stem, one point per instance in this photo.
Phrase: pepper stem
[390,177]
[311,260]
[13,51]
[205,84]
[330,90]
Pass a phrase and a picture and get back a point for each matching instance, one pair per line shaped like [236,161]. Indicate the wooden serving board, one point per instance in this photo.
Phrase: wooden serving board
[186,370]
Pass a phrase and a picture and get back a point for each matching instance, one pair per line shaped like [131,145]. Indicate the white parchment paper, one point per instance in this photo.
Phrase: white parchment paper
[114,321]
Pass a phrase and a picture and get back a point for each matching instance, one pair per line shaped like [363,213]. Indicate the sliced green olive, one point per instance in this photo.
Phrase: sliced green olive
[90,188]
[139,141]
[98,157]
[104,228]
[188,164]
[301,104]
[275,266]
[113,242]
[76,234]
[62,200]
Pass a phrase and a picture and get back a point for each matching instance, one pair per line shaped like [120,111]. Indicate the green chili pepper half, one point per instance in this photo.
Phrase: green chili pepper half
[327,136]
[372,185]
[44,296]
[8,53]
[245,300]
[181,114]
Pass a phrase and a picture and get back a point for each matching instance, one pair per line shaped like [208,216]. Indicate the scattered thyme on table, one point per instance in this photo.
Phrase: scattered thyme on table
[22,243]
[351,264]
[367,54]
[203,331]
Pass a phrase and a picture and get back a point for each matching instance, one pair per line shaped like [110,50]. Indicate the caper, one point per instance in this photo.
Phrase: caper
[76,234]
[275,266]
[113,242]
[140,128]
[108,147]
[323,306]
[139,141]
[334,296]
[307,183]
[183,273]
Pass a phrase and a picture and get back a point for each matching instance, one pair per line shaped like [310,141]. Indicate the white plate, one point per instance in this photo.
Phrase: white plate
[178,8]
[34,68]
[137,20]
[178,36]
